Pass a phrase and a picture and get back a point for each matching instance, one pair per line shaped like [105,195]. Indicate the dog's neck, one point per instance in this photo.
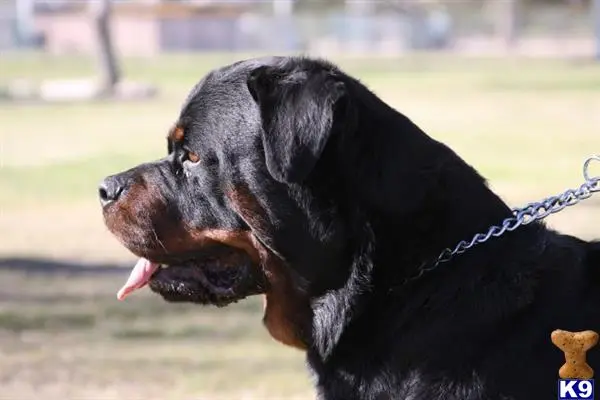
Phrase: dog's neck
[408,183]
[427,203]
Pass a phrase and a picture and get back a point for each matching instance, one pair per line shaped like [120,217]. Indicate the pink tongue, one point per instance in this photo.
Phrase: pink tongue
[139,277]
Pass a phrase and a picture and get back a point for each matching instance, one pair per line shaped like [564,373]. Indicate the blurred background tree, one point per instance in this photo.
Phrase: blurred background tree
[108,69]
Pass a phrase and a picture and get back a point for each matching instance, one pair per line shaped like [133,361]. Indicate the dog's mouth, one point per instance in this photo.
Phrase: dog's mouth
[219,276]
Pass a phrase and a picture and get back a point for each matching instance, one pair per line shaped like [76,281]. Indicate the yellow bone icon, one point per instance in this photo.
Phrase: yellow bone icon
[575,345]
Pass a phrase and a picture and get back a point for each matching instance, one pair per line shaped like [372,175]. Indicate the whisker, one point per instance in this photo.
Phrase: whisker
[159,241]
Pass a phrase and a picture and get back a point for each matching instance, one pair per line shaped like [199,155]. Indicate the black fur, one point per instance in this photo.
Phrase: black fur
[357,198]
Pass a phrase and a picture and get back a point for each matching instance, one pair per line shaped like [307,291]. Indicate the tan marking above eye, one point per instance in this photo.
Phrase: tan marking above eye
[177,134]
[193,157]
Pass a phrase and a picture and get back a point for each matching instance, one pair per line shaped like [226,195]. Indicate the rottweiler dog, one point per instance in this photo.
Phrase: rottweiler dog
[288,178]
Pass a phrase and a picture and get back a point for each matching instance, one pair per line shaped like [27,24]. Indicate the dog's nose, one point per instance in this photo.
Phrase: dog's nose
[110,189]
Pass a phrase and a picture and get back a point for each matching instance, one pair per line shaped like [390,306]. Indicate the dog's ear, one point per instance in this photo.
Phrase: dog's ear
[297,111]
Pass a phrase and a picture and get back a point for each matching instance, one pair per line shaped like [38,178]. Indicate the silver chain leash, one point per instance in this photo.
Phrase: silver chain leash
[523,216]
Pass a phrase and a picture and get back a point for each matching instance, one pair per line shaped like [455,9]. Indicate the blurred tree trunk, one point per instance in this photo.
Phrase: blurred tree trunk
[108,69]
[509,22]
[596,22]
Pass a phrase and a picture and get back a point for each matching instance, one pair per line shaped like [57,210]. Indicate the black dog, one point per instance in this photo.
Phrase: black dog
[288,178]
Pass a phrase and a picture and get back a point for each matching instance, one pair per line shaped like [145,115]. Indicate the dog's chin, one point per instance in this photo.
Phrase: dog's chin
[217,277]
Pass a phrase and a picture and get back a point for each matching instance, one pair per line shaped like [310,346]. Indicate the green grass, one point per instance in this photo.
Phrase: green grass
[526,125]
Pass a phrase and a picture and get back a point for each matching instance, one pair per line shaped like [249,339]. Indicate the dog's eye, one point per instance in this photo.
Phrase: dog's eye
[188,156]
[190,159]
[193,157]
[184,160]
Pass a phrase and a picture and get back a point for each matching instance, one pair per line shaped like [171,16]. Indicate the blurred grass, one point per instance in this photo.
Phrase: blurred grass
[510,107]
[53,332]
[525,124]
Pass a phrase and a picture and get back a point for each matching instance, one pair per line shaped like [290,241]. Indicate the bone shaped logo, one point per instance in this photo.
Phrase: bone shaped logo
[575,345]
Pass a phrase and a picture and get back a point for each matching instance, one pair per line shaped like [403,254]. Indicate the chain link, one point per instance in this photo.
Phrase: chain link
[522,216]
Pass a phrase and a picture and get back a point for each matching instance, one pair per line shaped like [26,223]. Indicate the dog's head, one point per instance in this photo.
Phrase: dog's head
[238,207]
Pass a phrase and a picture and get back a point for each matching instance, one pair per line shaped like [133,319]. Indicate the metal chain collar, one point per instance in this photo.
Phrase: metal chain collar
[522,216]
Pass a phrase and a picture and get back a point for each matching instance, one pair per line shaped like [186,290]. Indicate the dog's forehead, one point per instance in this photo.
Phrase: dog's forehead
[212,92]
[220,106]
[226,79]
